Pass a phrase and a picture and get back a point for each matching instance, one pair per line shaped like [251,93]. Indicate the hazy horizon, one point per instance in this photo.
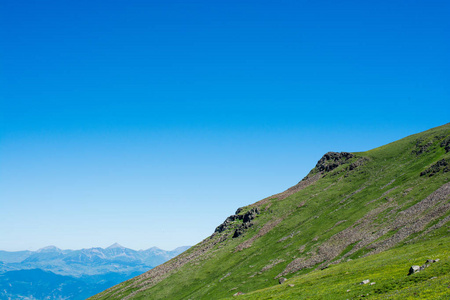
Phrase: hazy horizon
[103,247]
[148,123]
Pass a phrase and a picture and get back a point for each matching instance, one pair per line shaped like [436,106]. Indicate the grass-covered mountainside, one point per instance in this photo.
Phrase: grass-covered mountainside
[355,216]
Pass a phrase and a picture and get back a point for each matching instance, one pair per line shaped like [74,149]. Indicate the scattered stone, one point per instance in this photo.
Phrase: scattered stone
[291,285]
[302,249]
[348,291]
[225,276]
[414,269]
[365,281]
[433,277]
[372,283]
[281,280]
[286,237]
[273,262]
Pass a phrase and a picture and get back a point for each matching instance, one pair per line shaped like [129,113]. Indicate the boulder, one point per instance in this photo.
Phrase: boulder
[281,280]
[414,269]
[365,281]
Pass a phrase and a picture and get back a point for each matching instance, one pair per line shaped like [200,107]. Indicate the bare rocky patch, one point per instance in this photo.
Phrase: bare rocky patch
[272,264]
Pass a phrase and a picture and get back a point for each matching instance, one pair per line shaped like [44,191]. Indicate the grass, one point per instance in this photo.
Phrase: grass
[389,180]
[388,270]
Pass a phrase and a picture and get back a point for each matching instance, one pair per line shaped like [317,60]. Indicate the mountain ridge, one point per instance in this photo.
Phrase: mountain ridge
[350,206]
[86,261]
[53,273]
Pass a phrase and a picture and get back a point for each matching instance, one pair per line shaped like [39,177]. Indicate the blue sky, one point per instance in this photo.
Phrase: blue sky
[149,122]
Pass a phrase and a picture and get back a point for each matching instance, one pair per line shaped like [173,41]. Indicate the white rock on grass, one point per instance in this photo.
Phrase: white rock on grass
[365,281]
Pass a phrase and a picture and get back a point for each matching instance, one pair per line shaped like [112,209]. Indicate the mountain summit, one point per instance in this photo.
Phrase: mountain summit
[357,224]
[49,249]
[116,245]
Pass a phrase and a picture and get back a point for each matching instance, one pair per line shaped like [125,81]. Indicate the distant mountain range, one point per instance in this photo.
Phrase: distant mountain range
[52,273]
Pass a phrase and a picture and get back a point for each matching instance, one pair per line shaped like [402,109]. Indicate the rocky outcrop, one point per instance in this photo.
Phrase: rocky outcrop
[446,144]
[227,223]
[443,164]
[240,228]
[421,148]
[425,146]
[332,160]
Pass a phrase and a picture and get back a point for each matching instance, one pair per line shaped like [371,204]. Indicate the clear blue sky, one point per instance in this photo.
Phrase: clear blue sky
[149,122]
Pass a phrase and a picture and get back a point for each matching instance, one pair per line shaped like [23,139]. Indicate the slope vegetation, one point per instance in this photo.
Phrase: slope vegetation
[355,215]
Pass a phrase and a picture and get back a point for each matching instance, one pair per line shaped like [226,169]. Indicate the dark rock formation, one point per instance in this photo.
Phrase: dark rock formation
[332,160]
[443,164]
[250,215]
[226,224]
[446,144]
[246,221]
[421,148]
[241,229]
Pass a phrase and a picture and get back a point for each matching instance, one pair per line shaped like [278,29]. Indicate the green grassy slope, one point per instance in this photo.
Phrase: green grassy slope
[371,214]
[387,270]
